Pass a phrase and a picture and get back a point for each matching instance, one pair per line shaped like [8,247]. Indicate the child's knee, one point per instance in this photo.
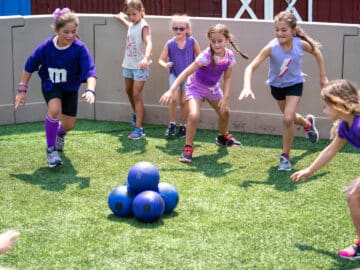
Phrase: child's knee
[193,117]
[288,120]
[224,115]
[353,193]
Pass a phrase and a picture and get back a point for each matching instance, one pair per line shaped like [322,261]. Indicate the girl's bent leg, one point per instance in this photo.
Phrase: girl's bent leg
[224,138]
[193,119]
[138,102]
[172,107]
[353,199]
[183,107]
[129,91]
[288,108]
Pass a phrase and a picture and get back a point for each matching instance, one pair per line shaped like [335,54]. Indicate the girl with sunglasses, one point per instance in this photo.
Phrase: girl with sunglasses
[178,53]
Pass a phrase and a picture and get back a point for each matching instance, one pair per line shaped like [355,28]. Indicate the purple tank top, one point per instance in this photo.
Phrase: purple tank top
[181,58]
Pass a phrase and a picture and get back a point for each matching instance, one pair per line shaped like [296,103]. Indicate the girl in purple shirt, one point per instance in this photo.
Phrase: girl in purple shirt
[203,84]
[63,62]
[341,105]
[178,53]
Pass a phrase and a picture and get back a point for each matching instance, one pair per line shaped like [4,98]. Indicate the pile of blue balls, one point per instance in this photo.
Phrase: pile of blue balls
[143,195]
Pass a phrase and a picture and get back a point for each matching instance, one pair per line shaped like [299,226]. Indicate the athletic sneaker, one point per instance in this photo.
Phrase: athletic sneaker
[352,252]
[171,129]
[284,164]
[133,120]
[312,133]
[137,133]
[60,142]
[227,140]
[52,157]
[181,132]
[186,155]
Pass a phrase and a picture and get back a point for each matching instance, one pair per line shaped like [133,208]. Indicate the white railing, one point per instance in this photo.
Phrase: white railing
[268,9]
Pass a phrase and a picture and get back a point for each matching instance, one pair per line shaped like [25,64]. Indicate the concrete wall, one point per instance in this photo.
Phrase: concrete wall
[105,38]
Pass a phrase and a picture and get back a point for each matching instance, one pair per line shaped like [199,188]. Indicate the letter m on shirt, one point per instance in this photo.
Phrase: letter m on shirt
[57,75]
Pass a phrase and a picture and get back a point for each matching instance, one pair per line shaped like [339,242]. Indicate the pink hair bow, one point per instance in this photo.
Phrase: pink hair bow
[58,12]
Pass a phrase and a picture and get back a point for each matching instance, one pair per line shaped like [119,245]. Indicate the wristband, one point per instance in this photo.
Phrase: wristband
[22,90]
[23,84]
[91,91]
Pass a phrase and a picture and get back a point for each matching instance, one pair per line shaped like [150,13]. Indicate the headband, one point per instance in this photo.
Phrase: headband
[58,12]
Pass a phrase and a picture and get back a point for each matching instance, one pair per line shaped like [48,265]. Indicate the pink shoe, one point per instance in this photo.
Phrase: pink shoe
[351,252]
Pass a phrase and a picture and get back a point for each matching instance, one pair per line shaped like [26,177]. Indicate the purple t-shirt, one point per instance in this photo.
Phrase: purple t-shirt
[352,134]
[66,68]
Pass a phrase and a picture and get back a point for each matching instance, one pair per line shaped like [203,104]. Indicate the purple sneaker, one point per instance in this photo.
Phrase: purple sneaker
[137,133]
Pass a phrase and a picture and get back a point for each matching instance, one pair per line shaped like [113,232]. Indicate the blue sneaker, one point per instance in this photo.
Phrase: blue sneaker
[133,120]
[137,133]
[284,164]
[52,157]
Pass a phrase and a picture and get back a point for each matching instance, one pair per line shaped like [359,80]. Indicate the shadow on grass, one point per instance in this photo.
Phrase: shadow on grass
[280,180]
[55,179]
[208,165]
[157,131]
[129,145]
[135,222]
[340,263]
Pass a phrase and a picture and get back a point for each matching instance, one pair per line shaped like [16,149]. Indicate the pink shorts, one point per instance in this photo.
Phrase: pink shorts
[195,89]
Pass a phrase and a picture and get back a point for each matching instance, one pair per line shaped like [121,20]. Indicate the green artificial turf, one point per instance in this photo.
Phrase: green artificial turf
[236,210]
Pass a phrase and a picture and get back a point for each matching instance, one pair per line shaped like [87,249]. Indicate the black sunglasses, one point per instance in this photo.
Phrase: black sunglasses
[181,29]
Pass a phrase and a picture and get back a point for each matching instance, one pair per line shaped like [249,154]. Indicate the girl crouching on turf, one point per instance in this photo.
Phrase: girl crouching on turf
[341,104]
[203,84]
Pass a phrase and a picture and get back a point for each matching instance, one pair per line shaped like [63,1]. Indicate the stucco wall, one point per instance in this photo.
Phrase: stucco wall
[105,38]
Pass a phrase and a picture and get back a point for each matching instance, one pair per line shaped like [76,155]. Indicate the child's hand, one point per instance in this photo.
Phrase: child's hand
[144,63]
[323,81]
[246,92]
[7,239]
[89,96]
[20,99]
[169,64]
[166,98]
[120,17]
[302,174]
